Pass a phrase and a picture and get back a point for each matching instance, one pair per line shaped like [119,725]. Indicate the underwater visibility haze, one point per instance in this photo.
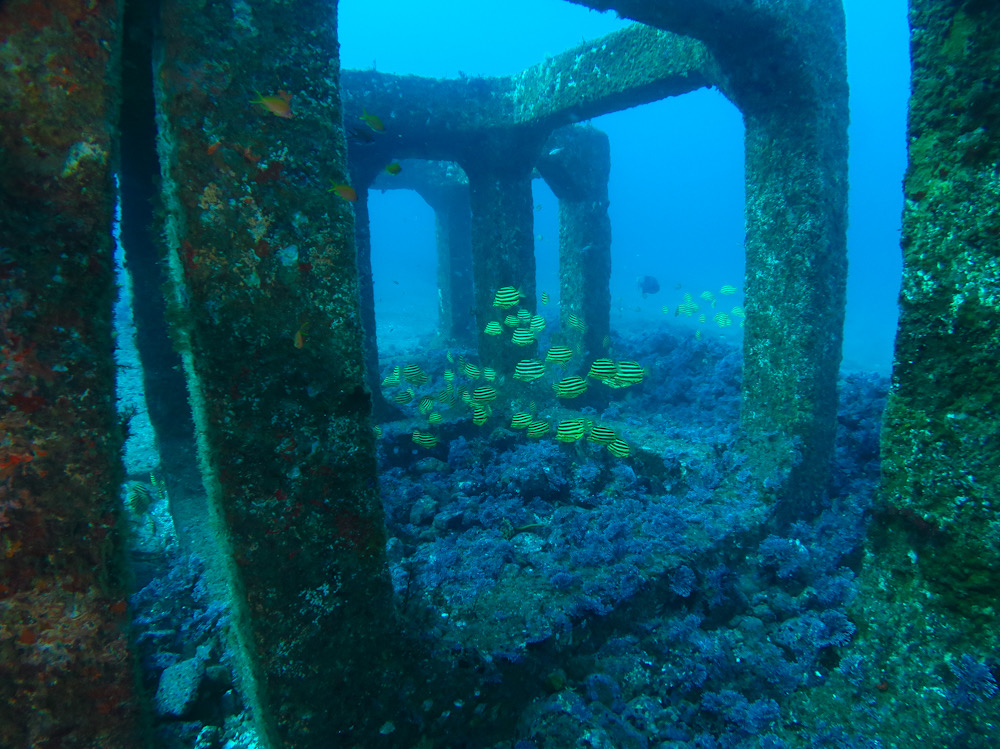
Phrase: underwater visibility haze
[531,380]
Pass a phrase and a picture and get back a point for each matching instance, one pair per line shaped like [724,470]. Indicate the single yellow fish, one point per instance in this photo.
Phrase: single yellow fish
[372,121]
[279,105]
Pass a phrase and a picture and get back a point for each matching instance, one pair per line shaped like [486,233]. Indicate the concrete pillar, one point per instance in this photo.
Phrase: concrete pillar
[576,164]
[265,293]
[66,673]
[456,299]
[503,244]
[381,408]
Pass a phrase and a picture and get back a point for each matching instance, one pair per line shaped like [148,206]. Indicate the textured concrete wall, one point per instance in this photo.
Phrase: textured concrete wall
[266,290]
[66,676]
[576,164]
[784,65]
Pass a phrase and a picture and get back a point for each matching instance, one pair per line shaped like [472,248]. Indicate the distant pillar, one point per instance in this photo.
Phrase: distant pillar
[456,300]
[265,281]
[381,408]
[503,247]
[577,167]
[66,674]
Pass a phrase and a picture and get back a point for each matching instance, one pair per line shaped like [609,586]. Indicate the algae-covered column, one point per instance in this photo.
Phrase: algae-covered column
[503,246]
[381,408]
[453,222]
[266,289]
[577,168]
[66,677]
[934,566]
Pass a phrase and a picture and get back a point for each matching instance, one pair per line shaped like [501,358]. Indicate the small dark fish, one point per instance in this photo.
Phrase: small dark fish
[647,285]
[361,136]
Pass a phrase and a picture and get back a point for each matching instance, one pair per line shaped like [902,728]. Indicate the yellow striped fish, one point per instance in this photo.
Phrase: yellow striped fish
[506,297]
[470,370]
[601,369]
[560,354]
[576,322]
[602,435]
[702,318]
[629,372]
[489,374]
[537,323]
[426,405]
[449,375]
[511,321]
[424,439]
[493,328]
[738,312]
[484,393]
[570,387]
[709,297]
[619,448]
[377,431]
[545,297]
[434,418]
[722,320]
[527,370]
[523,316]
[523,337]
[479,414]
[727,290]
[414,374]
[521,420]
[538,428]
[688,307]
[571,430]
[403,396]
[393,378]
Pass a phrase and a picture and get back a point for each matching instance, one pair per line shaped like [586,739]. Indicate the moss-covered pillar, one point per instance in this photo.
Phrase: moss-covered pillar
[66,675]
[796,249]
[503,246]
[577,167]
[265,278]
[453,222]
[381,408]
[934,566]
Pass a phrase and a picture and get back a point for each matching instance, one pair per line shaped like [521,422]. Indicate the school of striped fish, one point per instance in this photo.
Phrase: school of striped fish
[482,394]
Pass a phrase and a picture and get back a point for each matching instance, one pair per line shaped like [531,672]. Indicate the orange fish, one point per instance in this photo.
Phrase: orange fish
[299,339]
[394,168]
[372,121]
[278,105]
[344,191]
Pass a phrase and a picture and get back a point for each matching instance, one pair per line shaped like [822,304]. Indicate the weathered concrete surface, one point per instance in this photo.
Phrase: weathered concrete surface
[66,675]
[576,164]
[428,118]
[784,66]
[503,241]
[927,615]
[266,286]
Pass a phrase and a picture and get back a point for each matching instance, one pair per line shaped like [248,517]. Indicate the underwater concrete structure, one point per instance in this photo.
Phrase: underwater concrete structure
[66,673]
[783,69]
[266,318]
[269,316]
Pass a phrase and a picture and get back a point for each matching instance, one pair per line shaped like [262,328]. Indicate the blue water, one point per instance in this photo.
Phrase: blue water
[676,184]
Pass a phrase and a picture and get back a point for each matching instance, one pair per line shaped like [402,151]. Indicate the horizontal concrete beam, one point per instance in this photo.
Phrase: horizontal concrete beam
[446,118]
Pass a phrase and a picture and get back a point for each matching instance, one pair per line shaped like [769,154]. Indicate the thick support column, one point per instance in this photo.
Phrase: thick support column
[381,408]
[66,675]
[503,248]
[265,278]
[577,168]
[456,299]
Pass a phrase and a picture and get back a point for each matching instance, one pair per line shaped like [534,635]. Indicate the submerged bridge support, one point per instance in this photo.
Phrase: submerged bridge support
[66,675]
[577,166]
[265,294]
